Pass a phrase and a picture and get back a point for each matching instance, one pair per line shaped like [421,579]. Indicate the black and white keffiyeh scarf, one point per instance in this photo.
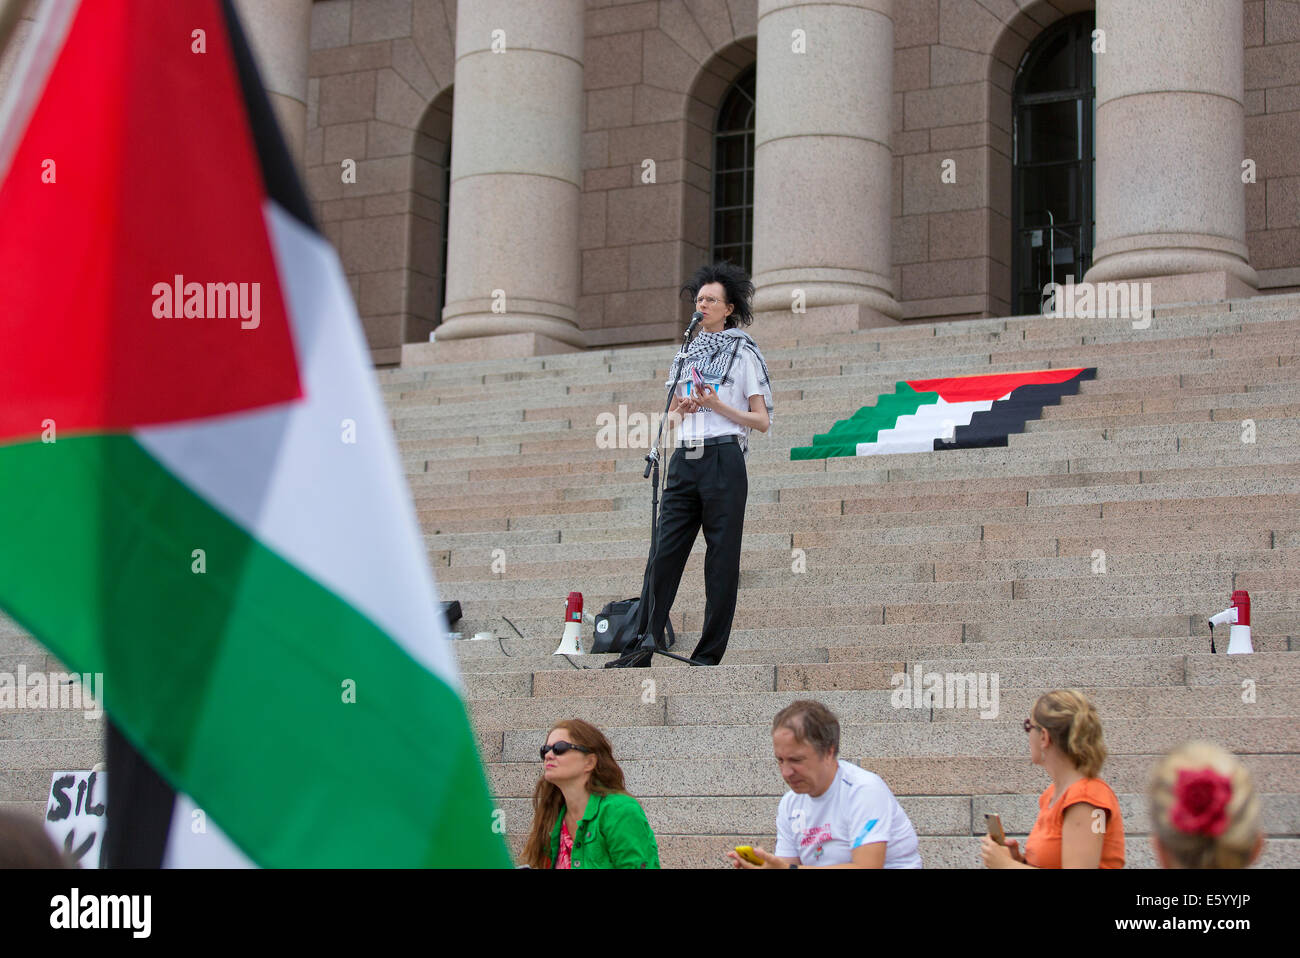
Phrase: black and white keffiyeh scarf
[715,355]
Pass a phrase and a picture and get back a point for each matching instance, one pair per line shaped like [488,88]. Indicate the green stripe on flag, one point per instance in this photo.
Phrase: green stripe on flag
[231,682]
[866,424]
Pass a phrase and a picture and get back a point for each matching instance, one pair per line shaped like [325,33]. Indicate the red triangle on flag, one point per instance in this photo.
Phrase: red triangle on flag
[990,385]
[138,166]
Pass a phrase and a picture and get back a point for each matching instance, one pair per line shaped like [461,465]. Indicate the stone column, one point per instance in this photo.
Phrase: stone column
[822,160]
[1170,201]
[516,176]
[279,32]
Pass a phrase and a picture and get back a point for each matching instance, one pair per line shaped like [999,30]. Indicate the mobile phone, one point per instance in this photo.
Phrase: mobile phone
[696,381]
[747,852]
[994,823]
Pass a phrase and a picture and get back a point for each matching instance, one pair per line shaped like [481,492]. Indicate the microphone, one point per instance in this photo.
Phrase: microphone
[695,321]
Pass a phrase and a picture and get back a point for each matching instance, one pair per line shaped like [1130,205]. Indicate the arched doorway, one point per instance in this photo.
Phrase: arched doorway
[1054,161]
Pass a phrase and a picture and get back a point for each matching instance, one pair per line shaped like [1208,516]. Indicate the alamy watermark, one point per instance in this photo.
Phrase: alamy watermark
[977,691]
[1071,300]
[53,690]
[634,430]
[181,300]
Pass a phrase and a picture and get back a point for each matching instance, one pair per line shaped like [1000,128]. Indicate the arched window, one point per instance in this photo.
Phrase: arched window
[733,175]
[431,195]
[1052,194]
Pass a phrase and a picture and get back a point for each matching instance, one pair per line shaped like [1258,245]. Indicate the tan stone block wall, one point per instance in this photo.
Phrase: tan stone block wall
[958,109]
[380,73]
[1272,36]
[962,110]
[655,74]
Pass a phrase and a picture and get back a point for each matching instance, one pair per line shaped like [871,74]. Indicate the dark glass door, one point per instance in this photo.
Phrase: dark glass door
[1052,184]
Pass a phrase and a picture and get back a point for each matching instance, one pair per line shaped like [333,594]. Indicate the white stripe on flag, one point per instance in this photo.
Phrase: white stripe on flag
[341,512]
[916,432]
[195,841]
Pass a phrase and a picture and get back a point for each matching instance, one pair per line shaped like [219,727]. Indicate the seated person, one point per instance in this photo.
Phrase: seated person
[1078,824]
[1204,810]
[582,815]
[836,814]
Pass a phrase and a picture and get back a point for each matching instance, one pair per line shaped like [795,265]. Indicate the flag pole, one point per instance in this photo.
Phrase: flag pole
[10,11]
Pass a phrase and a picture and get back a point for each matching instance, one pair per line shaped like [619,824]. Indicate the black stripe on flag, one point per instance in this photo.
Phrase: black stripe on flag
[278,173]
[140,804]
[1009,415]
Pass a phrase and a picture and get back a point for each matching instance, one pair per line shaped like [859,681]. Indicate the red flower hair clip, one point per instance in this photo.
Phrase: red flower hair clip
[1201,802]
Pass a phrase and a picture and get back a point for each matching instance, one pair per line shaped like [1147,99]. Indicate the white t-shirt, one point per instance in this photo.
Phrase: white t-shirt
[706,423]
[857,809]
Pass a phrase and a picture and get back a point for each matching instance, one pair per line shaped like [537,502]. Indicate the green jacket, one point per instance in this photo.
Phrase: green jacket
[613,833]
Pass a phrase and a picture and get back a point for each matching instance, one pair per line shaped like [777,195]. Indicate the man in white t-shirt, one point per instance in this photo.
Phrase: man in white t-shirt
[836,814]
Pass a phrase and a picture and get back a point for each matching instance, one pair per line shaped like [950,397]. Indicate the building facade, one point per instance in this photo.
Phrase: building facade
[534,176]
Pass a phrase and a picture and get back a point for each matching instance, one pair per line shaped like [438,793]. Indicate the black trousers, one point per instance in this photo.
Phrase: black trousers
[706,486]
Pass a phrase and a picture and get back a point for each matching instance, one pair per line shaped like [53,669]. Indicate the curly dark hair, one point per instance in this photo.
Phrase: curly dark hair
[739,289]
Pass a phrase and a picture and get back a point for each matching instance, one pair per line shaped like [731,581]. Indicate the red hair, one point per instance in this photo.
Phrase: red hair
[605,778]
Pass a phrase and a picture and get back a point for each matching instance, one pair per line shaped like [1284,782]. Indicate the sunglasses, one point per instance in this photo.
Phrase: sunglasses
[1029,724]
[562,747]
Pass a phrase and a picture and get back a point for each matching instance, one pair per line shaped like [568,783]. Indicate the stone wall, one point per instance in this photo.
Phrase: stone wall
[380,93]
[1272,35]
[954,68]
[655,77]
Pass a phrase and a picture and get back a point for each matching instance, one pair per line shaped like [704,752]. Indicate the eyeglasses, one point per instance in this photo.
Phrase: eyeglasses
[1029,724]
[562,747]
[706,300]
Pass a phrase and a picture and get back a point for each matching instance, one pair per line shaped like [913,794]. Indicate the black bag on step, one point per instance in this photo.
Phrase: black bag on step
[616,627]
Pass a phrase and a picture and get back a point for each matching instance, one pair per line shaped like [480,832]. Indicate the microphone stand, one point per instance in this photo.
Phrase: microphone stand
[641,650]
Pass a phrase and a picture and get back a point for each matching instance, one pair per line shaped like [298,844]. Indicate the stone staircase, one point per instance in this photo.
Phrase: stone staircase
[1087,553]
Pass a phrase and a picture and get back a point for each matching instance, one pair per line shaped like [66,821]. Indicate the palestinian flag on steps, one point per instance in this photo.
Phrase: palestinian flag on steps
[200,496]
[957,412]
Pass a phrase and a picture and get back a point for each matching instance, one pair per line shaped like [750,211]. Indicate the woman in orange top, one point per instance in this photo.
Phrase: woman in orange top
[1079,823]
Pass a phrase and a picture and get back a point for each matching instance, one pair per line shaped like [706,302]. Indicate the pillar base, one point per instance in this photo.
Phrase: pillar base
[1211,286]
[1176,275]
[479,348]
[817,321]
[826,288]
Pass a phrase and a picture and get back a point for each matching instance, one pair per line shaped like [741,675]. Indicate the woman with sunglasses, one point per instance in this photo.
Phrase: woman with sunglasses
[582,816]
[1078,824]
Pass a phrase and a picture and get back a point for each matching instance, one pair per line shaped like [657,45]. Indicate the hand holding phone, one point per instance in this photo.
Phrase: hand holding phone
[747,852]
[994,823]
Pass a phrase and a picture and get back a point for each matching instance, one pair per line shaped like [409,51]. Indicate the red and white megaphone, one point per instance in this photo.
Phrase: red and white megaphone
[1237,616]
[571,641]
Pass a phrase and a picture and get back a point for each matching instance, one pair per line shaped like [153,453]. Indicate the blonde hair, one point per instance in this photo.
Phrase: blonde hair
[1075,728]
[1234,847]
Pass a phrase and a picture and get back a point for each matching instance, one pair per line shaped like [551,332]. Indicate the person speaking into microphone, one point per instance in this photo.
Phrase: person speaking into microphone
[707,484]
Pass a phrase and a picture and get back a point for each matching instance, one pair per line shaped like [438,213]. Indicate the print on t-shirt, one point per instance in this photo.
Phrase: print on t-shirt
[818,836]
[736,393]
[857,809]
